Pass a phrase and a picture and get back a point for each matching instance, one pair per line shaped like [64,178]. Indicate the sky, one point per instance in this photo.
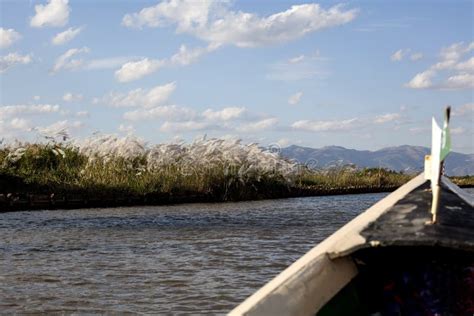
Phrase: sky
[358,74]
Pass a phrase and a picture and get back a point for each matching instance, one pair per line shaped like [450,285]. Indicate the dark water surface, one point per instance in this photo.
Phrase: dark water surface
[194,258]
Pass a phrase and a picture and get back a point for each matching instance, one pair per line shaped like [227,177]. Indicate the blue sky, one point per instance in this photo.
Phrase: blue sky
[359,74]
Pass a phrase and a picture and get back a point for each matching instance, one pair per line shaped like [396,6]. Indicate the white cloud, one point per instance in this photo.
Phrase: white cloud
[185,13]
[326,126]
[459,81]
[385,118]
[422,80]
[186,56]
[12,60]
[295,98]
[401,53]
[36,97]
[398,55]
[213,22]
[258,125]
[296,59]
[8,37]
[128,129]
[107,63]
[67,62]
[139,97]
[66,36]
[9,129]
[166,112]
[20,124]
[416,56]
[12,110]
[134,70]
[284,142]
[70,97]
[467,65]
[187,126]
[226,114]
[450,72]
[55,13]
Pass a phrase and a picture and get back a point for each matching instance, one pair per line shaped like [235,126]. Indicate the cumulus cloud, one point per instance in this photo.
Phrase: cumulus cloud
[67,61]
[402,53]
[226,114]
[55,13]
[20,124]
[70,97]
[184,119]
[326,126]
[145,98]
[185,13]
[215,22]
[295,98]
[14,110]
[134,70]
[66,36]
[8,37]
[422,80]
[11,127]
[152,104]
[12,60]
[450,72]
[186,56]
[467,65]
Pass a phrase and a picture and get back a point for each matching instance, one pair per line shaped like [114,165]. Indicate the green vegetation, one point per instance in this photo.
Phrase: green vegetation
[165,169]
[350,178]
[215,169]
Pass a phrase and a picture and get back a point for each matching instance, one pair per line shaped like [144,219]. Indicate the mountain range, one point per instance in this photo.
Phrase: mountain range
[404,158]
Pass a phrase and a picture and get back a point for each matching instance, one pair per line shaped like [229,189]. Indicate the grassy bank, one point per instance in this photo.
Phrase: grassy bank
[121,171]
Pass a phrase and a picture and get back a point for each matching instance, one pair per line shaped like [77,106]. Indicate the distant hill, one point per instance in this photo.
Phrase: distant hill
[402,158]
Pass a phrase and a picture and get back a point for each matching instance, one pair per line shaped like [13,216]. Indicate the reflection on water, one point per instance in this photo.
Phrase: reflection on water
[195,258]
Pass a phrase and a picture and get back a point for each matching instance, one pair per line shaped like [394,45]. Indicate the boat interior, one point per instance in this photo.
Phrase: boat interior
[392,259]
[407,281]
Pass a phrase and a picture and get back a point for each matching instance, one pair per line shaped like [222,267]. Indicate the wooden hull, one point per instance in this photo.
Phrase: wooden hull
[358,262]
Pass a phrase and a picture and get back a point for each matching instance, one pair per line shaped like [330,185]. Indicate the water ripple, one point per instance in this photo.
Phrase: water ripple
[185,259]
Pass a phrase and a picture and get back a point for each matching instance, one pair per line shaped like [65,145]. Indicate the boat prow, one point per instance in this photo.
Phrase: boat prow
[391,260]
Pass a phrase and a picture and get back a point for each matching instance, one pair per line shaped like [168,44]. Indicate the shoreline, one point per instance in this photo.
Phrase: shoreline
[29,201]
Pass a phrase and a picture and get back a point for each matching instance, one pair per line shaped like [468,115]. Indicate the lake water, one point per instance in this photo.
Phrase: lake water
[194,258]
